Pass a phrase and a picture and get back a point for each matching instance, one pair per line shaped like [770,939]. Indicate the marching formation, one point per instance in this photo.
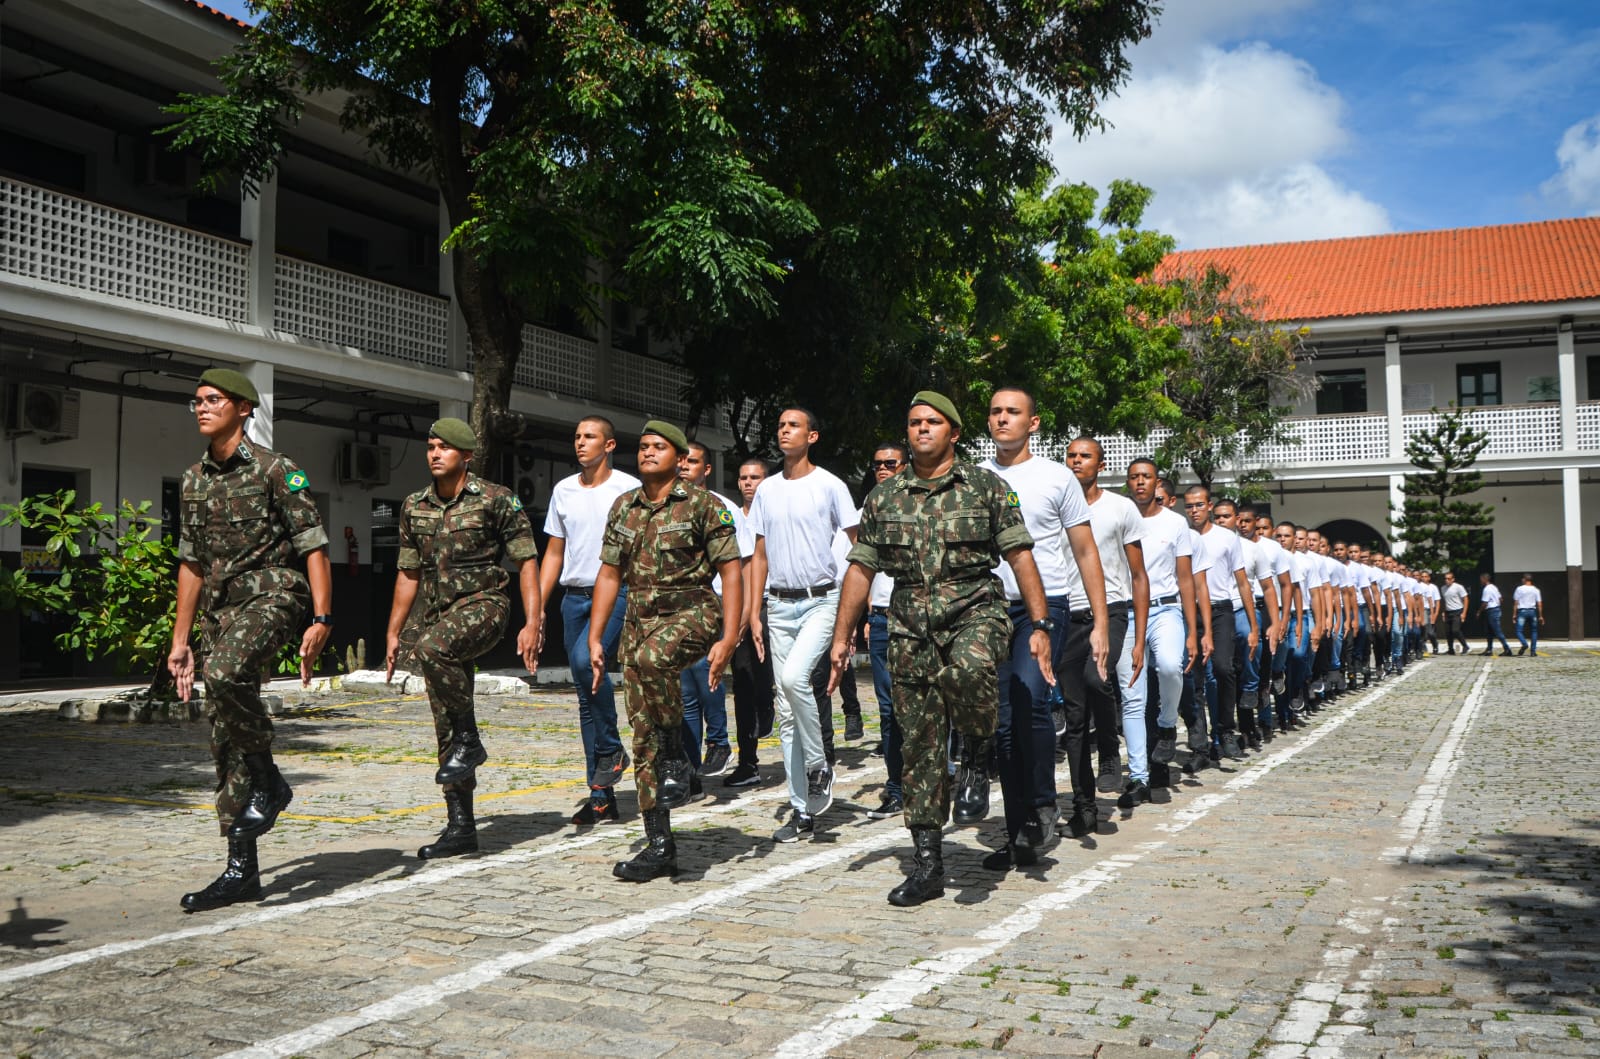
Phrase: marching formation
[1017,612]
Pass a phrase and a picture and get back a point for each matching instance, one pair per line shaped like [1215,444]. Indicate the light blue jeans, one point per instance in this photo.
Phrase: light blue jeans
[1528,619]
[798,632]
[1163,637]
[1133,699]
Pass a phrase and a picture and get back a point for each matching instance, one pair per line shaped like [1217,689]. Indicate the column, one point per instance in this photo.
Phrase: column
[1567,369]
[455,351]
[1572,518]
[259,428]
[258,223]
[1392,394]
[1397,504]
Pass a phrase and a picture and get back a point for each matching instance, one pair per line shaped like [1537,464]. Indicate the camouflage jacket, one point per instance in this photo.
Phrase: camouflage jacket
[668,551]
[940,540]
[458,545]
[244,521]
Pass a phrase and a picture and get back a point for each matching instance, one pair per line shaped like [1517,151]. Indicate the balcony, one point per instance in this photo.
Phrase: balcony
[65,241]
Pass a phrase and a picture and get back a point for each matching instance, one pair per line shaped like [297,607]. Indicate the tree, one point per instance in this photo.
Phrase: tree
[1440,530]
[113,577]
[1076,318]
[1226,391]
[560,132]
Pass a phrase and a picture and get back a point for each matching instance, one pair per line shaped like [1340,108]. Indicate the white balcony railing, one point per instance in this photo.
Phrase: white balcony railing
[648,384]
[557,362]
[315,301]
[1514,430]
[72,242]
[1588,425]
[1332,439]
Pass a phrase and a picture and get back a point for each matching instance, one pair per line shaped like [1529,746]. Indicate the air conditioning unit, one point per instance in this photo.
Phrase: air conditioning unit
[48,410]
[363,464]
[532,479]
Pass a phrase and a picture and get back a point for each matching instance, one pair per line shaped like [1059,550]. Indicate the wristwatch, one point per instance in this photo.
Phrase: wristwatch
[1045,625]
[322,619]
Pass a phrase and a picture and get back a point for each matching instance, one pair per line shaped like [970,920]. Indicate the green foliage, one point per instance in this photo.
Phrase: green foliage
[1227,390]
[1440,530]
[114,582]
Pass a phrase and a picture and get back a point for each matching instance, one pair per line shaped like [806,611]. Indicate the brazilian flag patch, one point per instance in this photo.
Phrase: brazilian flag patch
[1012,500]
[725,517]
[516,503]
[296,481]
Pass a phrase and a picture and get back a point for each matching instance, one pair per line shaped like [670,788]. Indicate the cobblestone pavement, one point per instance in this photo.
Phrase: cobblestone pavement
[1414,874]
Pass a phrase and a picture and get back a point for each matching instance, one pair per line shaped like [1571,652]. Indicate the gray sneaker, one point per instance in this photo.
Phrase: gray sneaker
[890,806]
[819,790]
[799,824]
[716,760]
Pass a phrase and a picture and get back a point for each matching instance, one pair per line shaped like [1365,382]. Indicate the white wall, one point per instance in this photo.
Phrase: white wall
[1373,366]
[1517,366]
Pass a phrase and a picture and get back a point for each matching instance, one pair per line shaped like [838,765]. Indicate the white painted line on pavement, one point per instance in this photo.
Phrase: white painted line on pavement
[426,877]
[487,971]
[901,989]
[1419,825]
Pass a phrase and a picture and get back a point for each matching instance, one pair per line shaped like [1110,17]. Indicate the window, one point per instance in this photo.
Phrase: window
[347,251]
[1341,391]
[1478,384]
[1592,364]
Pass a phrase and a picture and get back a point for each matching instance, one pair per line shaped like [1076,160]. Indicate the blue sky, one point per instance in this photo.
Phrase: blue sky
[1271,120]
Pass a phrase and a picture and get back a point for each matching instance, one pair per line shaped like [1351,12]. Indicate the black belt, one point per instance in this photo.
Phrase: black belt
[1166,601]
[581,591]
[1222,604]
[884,611]
[1121,607]
[813,592]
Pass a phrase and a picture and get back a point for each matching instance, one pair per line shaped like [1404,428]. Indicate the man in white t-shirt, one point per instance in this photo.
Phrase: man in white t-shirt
[1170,636]
[576,524]
[1248,664]
[1297,633]
[1430,608]
[753,714]
[703,704]
[795,516]
[1119,537]
[1191,706]
[1225,581]
[1053,509]
[1454,597]
[1529,602]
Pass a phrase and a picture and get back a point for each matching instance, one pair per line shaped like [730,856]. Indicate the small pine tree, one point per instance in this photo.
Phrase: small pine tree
[1440,531]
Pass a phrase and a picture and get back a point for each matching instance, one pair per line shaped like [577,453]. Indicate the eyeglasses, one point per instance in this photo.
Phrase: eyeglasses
[210,400]
[888,465]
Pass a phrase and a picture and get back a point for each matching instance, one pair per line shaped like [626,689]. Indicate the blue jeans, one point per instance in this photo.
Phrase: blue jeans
[700,704]
[597,710]
[1397,637]
[1164,644]
[1025,738]
[888,727]
[798,632]
[1528,618]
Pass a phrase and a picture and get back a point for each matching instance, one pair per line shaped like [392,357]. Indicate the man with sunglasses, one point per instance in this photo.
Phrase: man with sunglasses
[247,516]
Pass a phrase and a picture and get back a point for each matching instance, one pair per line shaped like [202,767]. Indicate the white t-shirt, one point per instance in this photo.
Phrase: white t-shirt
[1360,577]
[1491,596]
[1051,503]
[578,516]
[1116,523]
[1316,573]
[799,517]
[1430,592]
[741,533]
[1277,557]
[880,592]
[1527,597]
[1258,565]
[1166,537]
[1455,597]
[1225,558]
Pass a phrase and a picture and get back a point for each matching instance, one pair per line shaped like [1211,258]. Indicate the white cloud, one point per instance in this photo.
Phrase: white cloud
[1231,138]
[1577,184]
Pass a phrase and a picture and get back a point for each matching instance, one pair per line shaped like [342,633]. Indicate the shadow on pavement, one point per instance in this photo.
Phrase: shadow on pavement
[22,931]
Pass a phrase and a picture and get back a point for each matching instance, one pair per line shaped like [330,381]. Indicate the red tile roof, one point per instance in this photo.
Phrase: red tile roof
[1460,268]
[208,9]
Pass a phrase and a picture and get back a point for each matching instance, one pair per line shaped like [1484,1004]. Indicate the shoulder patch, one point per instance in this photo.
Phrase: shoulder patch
[1012,500]
[725,517]
[296,481]
[516,503]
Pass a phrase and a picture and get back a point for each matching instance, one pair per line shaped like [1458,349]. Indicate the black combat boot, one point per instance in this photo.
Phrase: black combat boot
[465,754]
[926,880]
[270,794]
[460,834]
[972,780]
[660,854]
[674,773]
[239,881]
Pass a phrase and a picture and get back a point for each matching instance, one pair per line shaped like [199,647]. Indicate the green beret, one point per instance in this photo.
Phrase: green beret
[455,433]
[940,403]
[668,431]
[232,383]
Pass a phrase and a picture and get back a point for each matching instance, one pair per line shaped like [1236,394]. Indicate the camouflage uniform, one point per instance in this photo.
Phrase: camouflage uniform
[458,546]
[667,553]
[948,625]
[244,523]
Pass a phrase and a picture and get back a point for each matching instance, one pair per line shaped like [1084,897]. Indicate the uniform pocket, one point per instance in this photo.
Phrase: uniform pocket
[968,543]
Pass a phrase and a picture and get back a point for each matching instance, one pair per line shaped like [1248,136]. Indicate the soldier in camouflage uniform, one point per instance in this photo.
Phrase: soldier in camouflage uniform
[246,516]
[939,532]
[665,540]
[454,537]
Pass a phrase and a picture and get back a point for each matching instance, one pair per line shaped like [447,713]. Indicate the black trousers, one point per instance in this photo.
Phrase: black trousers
[1105,700]
[1075,740]
[1454,632]
[752,698]
[1223,649]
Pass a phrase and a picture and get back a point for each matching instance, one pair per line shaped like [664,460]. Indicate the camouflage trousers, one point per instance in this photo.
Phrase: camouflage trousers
[655,652]
[937,688]
[240,643]
[445,644]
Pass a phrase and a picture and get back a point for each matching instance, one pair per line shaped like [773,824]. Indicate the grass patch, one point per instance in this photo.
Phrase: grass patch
[1149,995]
[1124,1022]
[1127,983]
[1445,952]
[1035,1017]
[1574,1032]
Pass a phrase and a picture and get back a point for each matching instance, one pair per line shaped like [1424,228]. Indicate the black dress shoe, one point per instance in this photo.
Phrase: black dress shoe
[1135,793]
[239,881]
